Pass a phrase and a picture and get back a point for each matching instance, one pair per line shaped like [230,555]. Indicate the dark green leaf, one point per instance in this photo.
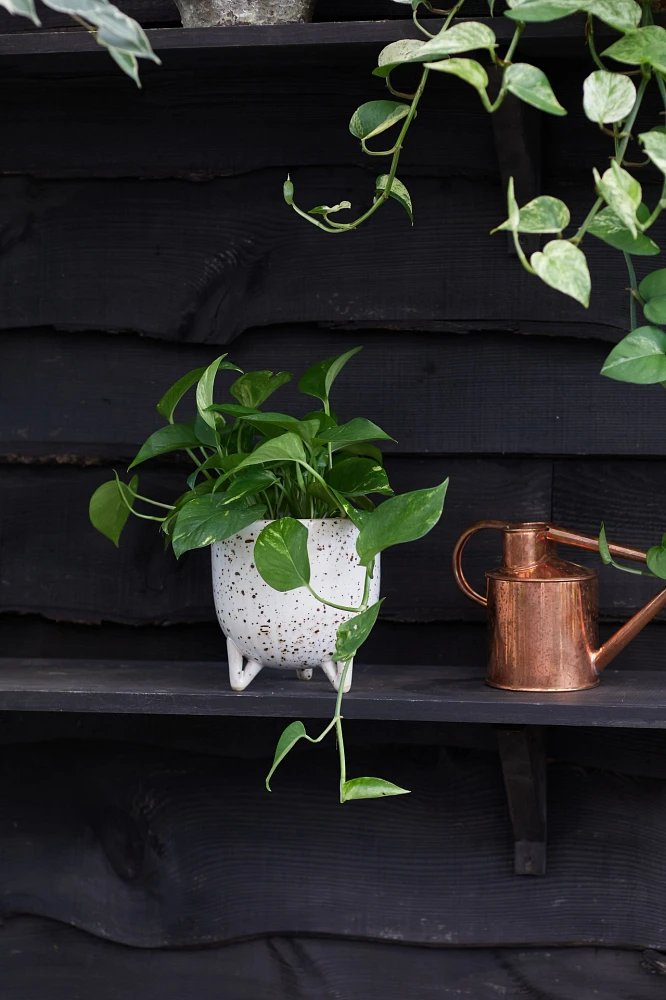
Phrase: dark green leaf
[375,117]
[564,267]
[640,357]
[398,191]
[318,380]
[352,634]
[285,448]
[401,519]
[356,476]
[205,433]
[604,551]
[281,554]
[173,437]
[370,788]
[356,430]
[608,227]
[654,285]
[172,396]
[365,450]
[656,559]
[294,732]
[325,420]
[254,388]
[248,482]
[531,85]
[207,519]
[655,310]
[108,511]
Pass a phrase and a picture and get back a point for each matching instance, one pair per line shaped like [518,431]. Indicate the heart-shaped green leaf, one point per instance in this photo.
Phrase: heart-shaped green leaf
[376,117]
[622,192]
[656,560]
[653,285]
[564,267]
[645,45]
[356,430]
[108,511]
[624,15]
[173,437]
[281,554]
[398,191]
[26,8]
[247,483]
[541,215]
[206,385]
[467,69]
[354,477]
[531,85]
[294,732]
[640,357]
[352,634]
[608,227]
[608,97]
[539,11]
[254,388]
[401,519]
[654,143]
[207,519]
[318,380]
[285,448]
[396,54]
[370,788]
[463,37]
[655,310]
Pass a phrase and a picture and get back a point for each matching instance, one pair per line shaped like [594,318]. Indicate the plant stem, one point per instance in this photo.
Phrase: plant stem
[521,254]
[591,45]
[332,604]
[520,27]
[629,124]
[338,729]
[587,221]
[634,289]
[452,13]
[418,24]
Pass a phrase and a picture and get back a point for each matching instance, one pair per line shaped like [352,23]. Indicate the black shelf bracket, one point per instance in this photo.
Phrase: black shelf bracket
[522,751]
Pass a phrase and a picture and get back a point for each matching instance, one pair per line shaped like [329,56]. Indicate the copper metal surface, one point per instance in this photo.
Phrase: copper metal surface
[542,610]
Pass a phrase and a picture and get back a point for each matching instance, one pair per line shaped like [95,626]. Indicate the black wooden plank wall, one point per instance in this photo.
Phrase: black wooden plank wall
[140,231]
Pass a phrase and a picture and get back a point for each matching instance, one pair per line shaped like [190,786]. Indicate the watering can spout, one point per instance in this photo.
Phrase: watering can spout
[603,656]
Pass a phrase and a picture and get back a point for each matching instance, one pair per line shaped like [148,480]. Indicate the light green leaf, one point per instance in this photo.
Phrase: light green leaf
[173,437]
[656,559]
[467,69]
[288,191]
[608,227]
[645,45]
[329,209]
[398,191]
[207,519]
[254,388]
[285,448]
[655,147]
[355,477]
[512,207]
[281,554]
[622,192]
[653,285]
[318,380]
[206,385]
[127,62]
[376,117]
[108,511]
[370,788]
[564,267]
[538,11]
[623,15]
[541,215]
[26,8]
[604,551]
[172,396]
[608,97]
[401,519]
[291,735]
[531,85]
[354,431]
[352,634]
[395,54]
[655,309]
[640,357]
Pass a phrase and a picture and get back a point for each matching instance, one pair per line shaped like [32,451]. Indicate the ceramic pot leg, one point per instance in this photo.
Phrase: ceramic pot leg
[305,674]
[239,676]
[334,673]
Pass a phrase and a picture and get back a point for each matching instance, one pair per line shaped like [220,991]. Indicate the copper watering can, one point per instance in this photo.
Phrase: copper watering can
[542,610]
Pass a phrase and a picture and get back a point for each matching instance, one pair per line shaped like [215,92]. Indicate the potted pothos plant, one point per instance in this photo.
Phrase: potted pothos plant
[124,37]
[612,99]
[285,503]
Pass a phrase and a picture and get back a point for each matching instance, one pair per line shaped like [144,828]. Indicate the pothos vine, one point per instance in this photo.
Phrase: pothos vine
[613,95]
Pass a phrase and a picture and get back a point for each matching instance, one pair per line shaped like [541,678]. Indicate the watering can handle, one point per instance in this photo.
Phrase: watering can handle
[457,558]
[566,537]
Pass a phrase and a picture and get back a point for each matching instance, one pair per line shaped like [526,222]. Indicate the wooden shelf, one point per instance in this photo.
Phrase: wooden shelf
[405,693]
[336,35]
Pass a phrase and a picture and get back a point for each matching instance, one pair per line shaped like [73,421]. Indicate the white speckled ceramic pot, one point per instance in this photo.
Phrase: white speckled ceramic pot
[212,13]
[292,630]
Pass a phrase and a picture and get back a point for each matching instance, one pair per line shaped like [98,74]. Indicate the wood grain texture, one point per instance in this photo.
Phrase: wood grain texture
[163,850]
[203,262]
[97,393]
[74,573]
[412,692]
[39,958]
